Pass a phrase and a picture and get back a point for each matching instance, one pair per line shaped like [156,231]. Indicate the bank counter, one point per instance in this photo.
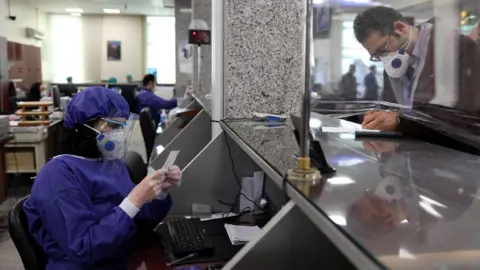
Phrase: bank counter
[391,204]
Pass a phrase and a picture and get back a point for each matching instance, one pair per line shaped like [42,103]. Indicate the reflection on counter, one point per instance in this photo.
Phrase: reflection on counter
[399,199]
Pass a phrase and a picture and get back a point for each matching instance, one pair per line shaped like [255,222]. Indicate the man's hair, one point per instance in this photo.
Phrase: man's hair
[372,67]
[379,19]
[148,78]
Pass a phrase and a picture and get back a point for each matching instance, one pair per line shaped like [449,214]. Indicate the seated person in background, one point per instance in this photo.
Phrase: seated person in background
[112,80]
[389,38]
[37,91]
[69,79]
[129,78]
[147,99]
[83,205]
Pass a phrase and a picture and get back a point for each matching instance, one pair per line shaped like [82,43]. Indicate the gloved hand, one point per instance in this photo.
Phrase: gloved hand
[173,179]
[148,189]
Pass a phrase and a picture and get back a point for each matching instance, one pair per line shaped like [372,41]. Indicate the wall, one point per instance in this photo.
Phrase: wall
[130,30]
[27,16]
[96,31]
[183,16]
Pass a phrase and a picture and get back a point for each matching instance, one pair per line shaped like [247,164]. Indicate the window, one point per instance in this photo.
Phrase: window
[66,48]
[354,53]
[161,48]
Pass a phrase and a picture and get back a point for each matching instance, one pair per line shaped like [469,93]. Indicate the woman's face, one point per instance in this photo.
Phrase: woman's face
[42,87]
[106,126]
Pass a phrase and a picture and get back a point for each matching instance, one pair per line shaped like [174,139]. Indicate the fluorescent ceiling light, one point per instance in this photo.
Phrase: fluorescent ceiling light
[111,11]
[74,10]
[76,14]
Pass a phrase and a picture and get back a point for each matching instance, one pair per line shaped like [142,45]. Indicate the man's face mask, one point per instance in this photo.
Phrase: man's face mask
[396,63]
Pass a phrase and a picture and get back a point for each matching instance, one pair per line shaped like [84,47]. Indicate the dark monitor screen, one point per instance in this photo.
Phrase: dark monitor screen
[199,37]
[56,97]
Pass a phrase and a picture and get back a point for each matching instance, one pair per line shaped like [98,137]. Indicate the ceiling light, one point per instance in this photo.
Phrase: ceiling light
[74,10]
[111,11]
[76,14]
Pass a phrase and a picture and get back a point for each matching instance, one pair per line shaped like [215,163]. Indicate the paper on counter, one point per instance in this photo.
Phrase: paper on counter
[240,235]
[13,123]
[345,130]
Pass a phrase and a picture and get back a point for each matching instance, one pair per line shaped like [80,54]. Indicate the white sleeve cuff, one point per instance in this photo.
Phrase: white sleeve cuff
[128,207]
[162,195]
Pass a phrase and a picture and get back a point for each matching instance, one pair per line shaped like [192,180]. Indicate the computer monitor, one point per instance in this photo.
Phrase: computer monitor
[57,104]
[316,154]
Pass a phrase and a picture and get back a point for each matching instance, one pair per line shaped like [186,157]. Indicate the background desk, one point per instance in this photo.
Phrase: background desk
[3,178]
[32,147]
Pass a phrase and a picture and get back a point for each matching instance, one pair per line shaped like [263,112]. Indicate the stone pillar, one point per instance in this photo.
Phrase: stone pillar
[202,10]
[183,16]
[263,57]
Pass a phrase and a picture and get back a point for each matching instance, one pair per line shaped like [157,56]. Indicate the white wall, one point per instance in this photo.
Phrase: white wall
[27,16]
[96,31]
[130,31]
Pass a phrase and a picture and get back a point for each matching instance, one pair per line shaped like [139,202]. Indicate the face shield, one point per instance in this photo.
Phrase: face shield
[114,136]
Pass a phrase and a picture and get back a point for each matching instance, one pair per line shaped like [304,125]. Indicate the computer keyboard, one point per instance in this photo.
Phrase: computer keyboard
[188,235]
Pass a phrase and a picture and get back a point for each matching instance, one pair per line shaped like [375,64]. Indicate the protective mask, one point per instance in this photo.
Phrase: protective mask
[112,144]
[396,63]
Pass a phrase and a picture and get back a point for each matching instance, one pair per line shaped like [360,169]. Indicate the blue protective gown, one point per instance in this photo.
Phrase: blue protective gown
[73,213]
[147,99]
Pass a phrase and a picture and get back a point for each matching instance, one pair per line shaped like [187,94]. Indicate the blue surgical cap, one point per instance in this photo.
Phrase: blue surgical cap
[94,102]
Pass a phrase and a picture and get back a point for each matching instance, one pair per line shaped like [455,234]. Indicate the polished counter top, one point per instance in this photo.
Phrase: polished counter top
[407,204]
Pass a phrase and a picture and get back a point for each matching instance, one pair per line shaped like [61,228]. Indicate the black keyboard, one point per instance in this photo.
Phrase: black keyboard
[188,236]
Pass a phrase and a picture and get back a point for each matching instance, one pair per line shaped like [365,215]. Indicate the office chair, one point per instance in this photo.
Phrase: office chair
[136,166]
[128,93]
[148,131]
[31,253]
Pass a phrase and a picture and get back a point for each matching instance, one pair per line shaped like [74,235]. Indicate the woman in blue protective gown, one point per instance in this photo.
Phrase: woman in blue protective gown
[83,206]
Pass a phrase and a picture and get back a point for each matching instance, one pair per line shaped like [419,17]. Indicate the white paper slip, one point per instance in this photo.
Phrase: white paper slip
[240,235]
[13,123]
[345,130]
[170,159]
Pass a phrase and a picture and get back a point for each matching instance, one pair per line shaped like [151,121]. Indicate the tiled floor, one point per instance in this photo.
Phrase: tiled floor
[8,253]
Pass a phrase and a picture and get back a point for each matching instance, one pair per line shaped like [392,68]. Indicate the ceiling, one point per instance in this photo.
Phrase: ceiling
[166,7]
[144,7]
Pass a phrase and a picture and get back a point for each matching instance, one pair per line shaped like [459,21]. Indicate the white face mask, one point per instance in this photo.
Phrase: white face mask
[112,145]
[396,63]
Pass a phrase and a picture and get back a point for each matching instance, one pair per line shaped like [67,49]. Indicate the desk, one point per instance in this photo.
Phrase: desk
[148,255]
[3,179]
[429,193]
[33,146]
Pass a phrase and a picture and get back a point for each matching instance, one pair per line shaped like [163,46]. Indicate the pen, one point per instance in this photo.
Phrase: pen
[193,255]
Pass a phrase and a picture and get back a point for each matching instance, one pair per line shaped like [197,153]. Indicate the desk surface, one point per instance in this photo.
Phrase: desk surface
[405,204]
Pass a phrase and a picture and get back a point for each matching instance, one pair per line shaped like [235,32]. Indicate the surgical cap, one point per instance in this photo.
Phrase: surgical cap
[129,76]
[94,102]
[69,78]
[112,80]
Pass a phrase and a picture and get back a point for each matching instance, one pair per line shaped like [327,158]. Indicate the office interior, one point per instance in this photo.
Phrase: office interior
[404,199]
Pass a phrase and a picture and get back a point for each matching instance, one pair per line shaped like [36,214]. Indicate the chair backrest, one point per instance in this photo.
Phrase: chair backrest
[128,93]
[31,253]
[136,166]
[148,131]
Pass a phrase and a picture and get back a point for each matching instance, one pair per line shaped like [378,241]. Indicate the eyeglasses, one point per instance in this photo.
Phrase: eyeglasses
[376,57]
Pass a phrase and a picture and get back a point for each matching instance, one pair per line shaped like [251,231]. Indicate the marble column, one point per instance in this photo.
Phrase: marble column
[263,57]
[183,17]
[202,10]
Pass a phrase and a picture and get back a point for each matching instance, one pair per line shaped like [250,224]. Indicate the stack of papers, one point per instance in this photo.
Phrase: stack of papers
[240,235]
